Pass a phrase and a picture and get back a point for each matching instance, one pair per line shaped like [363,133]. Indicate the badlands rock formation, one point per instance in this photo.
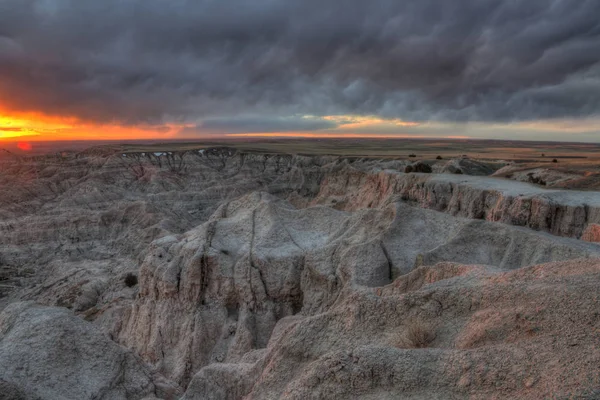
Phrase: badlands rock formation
[215,274]
[555,175]
[47,352]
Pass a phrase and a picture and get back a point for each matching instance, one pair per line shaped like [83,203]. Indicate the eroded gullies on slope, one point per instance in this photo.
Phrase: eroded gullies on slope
[291,276]
[268,260]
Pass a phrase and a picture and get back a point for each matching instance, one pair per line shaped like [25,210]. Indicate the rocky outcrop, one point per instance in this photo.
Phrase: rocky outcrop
[49,353]
[563,213]
[558,176]
[496,335]
[468,166]
[216,293]
[592,233]
[256,276]
[71,228]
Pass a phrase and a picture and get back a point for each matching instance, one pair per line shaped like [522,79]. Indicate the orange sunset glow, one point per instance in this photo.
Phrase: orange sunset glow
[37,126]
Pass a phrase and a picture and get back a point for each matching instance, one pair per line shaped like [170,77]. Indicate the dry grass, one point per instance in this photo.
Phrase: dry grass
[416,335]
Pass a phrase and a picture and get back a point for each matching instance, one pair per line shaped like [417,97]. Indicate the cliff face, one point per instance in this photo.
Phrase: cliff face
[562,213]
[217,293]
[238,275]
[76,226]
[490,335]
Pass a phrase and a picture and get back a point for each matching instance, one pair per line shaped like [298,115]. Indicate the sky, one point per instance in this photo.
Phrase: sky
[183,69]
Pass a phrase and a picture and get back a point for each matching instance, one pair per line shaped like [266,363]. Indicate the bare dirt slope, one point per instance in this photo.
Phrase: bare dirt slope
[219,274]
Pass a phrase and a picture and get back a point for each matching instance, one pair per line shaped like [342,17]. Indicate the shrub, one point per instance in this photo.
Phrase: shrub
[131,280]
[418,334]
[439,158]
[555,160]
[412,155]
[418,167]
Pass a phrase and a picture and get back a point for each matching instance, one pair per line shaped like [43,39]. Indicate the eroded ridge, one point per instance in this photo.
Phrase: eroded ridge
[218,274]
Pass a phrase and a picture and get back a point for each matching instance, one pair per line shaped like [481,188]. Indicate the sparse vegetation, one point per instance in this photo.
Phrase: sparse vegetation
[416,335]
[439,158]
[555,160]
[131,280]
[418,167]
[412,155]
[536,179]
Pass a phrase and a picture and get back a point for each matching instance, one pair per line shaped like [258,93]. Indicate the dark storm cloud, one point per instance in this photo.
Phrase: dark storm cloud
[256,124]
[156,61]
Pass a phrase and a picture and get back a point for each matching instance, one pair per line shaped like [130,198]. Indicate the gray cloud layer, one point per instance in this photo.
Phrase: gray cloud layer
[264,124]
[157,61]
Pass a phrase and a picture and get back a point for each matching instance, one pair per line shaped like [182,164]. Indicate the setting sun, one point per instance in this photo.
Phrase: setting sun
[24,146]
[37,126]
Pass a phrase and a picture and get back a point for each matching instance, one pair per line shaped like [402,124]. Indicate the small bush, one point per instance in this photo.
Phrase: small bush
[412,155]
[418,167]
[555,160]
[439,158]
[131,280]
[417,335]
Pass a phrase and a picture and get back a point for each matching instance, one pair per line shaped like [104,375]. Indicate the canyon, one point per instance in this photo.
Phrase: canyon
[220,273]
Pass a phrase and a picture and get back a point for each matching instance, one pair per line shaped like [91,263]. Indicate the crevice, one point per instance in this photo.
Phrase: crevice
[179,280]
[389,261]
[251,262]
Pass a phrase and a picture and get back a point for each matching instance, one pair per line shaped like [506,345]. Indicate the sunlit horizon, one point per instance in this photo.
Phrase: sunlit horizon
[38,126]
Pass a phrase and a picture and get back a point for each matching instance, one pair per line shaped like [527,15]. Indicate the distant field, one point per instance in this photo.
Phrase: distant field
[573,153]
[560,165]
[399,148]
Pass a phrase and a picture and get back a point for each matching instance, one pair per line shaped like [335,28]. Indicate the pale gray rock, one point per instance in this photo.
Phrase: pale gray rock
[467,166]
[497,334]
[49,353]
[218,291]
[559,212]
[268,276]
